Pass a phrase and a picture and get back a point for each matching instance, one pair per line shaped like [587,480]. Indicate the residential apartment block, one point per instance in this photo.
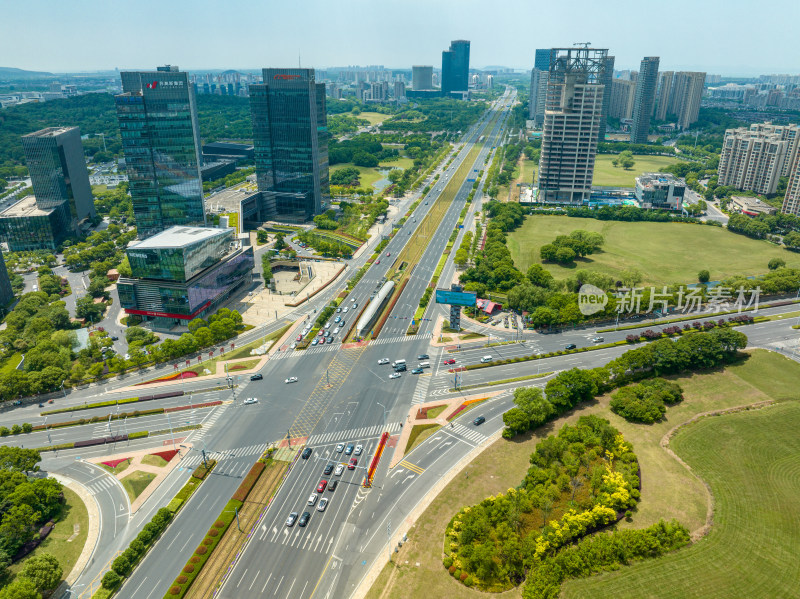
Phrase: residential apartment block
[753,158]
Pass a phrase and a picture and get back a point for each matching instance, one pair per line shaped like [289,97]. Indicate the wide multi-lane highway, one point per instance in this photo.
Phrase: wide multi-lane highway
[342,396]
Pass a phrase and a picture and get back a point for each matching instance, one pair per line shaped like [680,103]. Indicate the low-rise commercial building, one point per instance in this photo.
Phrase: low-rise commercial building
[183,273]
[26,227]
[660,191]
[750,206]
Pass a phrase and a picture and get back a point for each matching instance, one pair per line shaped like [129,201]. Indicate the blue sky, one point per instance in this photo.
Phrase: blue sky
[730,37]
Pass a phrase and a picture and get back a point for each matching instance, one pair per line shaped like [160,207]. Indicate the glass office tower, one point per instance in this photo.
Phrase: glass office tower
[290,135]
[455,67]
[161,141]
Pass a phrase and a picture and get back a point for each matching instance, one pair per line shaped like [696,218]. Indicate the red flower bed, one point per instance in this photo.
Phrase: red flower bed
[114,463]
[166,455]
[454,414]
[172,377]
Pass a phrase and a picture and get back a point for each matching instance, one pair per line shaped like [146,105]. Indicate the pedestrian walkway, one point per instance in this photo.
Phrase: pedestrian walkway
[466,432]
[421,391]
[355,434]
[319,349]
[100,484]
[208,423]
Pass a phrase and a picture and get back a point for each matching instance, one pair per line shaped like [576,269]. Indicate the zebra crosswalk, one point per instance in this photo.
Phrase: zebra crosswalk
[209,422]
[421,391]
[329,347]
[465,432]
[101,484]
[353,434]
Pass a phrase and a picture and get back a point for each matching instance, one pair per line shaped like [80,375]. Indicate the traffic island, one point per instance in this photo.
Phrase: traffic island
[424,420]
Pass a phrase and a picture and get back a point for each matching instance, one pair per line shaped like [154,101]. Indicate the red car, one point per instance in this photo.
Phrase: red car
[353,463]
[449,361]
[388,254]
[377,261]
[299,338]
[321,486]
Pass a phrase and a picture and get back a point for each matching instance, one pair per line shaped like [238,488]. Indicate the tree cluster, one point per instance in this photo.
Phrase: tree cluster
[566,248]
[582,476]
[347,177]
[618,147]
[646,401]
[361,150]
[696,350]
[439,114]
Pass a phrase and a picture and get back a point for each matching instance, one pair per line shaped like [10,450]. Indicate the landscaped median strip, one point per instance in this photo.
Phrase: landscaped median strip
[645,336]
[207,569]
[503,382]
[118,438]
[123,565]
[114,402]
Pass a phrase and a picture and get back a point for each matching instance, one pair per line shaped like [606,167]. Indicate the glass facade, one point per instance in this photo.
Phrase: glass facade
[160,139]
[34,229]
[179,262]
[57,167]
[455,67]
[290,135]
[168,303]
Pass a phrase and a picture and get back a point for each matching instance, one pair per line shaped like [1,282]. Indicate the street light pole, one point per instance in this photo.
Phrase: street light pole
[384,413]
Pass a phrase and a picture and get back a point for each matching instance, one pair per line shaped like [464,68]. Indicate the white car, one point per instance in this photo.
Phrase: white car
[359,449]
[291,379]
[250,400]
[394,375]
[339,470]
[383,361]
[293,345]
[323,503]
[340,448]
[312,499]
[345,309]
[336,331]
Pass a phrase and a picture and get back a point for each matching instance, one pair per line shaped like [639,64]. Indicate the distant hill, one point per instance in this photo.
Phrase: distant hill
[11,73]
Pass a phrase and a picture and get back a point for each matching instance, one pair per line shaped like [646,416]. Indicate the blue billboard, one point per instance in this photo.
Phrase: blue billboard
[456,298]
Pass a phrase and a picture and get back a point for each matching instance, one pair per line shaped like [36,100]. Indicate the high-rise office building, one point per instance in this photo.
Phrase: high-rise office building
[399,90]
[622,94]
[6,292]
[421,77]
[161,142]
[753,158]
[573,110]
[645,97]
[62,193]
[538,90]
[290,135]
[663,95]
[455,68]
[608,77]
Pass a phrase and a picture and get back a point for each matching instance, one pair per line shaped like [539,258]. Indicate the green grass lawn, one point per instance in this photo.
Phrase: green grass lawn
[154,460]
[11,363]
[60,542]
[402,162]
[368,176]
[136,482]
[664,253]
[118,468]
[669,491]
[374,118]
[750,459]
[606,174]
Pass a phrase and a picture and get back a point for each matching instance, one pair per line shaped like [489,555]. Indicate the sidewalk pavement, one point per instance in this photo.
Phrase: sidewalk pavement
[455,338]
[94,525]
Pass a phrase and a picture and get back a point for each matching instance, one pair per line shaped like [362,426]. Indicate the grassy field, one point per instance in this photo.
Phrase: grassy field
[750,459]
[154,460]
[664,253]
[116,469]
[136,482]
[668,490]
[606,174]
[368,175]
[374,118]
[73,520]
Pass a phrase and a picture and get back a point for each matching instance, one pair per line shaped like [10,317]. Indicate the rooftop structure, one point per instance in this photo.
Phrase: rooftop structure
[750,206]
[660,190]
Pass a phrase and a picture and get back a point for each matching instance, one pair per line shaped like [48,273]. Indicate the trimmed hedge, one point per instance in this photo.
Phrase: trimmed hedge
[202,470]
[194,566]
[249,481]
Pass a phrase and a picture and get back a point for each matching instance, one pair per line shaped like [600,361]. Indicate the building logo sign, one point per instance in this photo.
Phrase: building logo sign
[285,77]
[155,84]
[137,255]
